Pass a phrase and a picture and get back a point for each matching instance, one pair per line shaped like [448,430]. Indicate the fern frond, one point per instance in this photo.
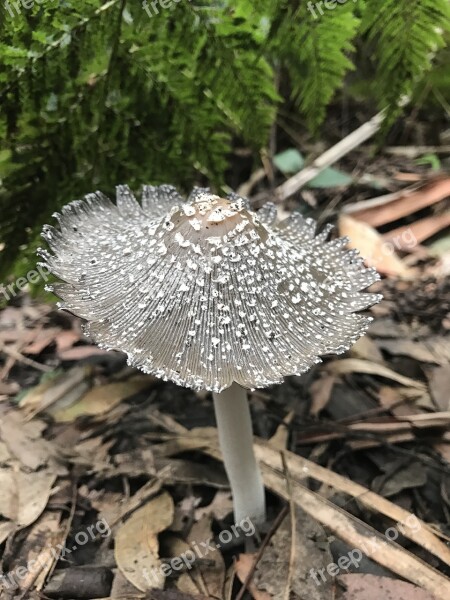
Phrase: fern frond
[314,47]
[406,35]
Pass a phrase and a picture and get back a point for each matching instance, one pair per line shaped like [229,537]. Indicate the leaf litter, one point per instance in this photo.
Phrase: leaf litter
[356,450]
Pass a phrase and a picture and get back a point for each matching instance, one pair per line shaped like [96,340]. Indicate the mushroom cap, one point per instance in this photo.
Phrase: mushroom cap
[205,292]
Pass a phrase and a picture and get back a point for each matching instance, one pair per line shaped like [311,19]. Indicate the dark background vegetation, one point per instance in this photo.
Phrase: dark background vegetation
[96,93]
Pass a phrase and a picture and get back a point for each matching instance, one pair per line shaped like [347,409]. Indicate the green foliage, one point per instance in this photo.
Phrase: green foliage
[405,36]
[95,93]
[315,49]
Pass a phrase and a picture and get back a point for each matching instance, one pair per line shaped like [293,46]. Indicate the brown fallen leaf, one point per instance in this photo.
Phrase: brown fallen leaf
[26,443]
[420,351]
[24,496]
[358,586]
[419,231]
[178,470]
[355,365]
[38,551]
[380,211]
[66,387]
[398,400]
[301,469]
[243,567]
[366,349]
[102,398]
[320,391]
[310,553]
[373,248]
[439,382]
[220,507]
[361,536]
[136,543]
[212,576]
[173,595]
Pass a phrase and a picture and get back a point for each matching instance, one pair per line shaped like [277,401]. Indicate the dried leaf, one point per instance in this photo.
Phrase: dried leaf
[213,575]
[178,470]
[372,587]
[243,566]
[38,549]
[373,248]
[320,391]
[354,365]
[366,349]
[23,496]
[439,382]
[220,507]
[407,237]
[380,211]
[310,553]
[136,544]
[360,535]
[418,350]
[103,398]
[66,387]
[25,442]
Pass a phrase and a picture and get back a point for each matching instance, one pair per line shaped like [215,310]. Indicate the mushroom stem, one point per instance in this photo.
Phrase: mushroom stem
[236,442]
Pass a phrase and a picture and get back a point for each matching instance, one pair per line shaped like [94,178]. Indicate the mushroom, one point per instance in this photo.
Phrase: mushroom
[212,296]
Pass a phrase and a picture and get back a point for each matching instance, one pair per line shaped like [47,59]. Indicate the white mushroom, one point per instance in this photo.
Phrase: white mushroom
[210,295]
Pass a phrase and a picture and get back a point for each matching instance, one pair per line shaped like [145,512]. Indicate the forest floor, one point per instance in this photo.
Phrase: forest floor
[108,475]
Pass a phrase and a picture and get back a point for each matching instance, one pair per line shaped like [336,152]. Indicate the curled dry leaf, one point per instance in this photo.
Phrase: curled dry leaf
[136,544]
[373,247]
